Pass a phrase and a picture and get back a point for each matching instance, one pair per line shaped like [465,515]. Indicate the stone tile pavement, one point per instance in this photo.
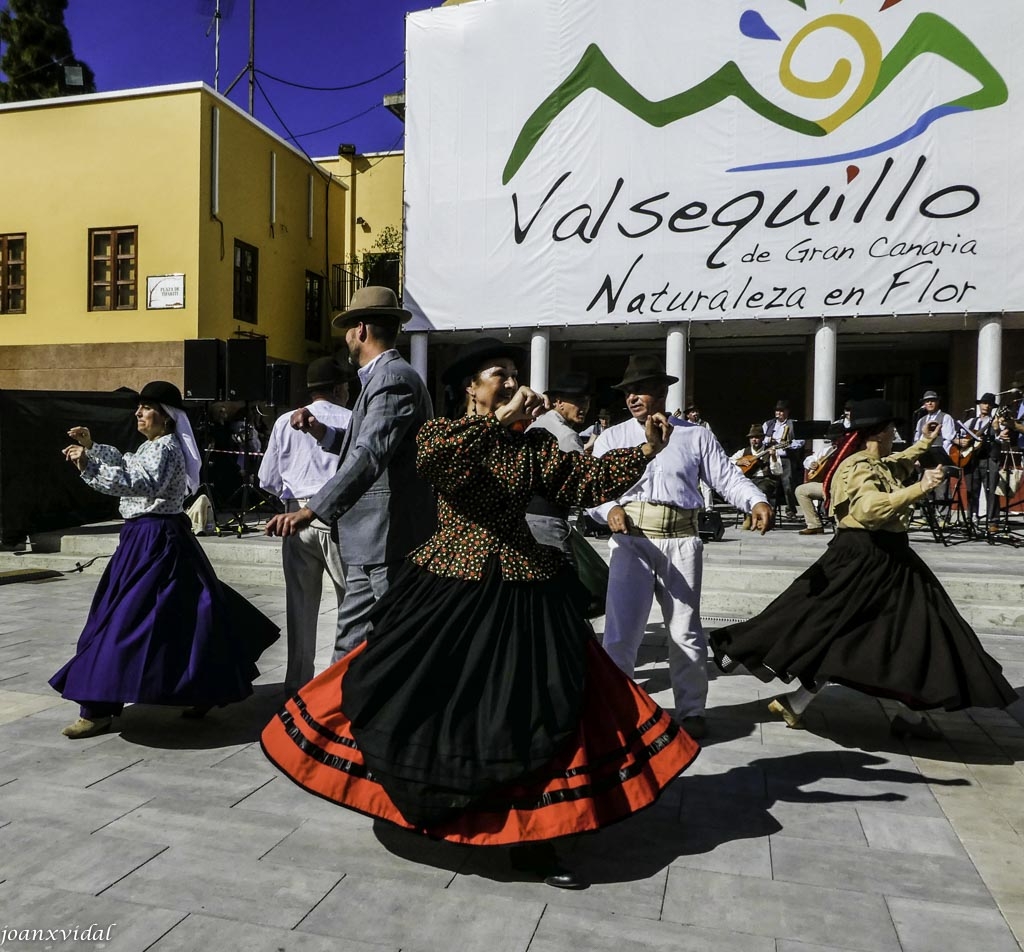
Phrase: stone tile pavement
[178,835]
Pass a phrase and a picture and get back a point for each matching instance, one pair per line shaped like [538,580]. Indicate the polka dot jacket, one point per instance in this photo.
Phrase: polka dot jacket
[150,480]
[485,475]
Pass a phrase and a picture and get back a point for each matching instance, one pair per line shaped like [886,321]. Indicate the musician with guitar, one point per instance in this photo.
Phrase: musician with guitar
[761,464]
[812,490]
[977,452]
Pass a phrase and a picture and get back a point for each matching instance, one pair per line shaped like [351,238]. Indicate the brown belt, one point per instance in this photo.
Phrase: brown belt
[653,520]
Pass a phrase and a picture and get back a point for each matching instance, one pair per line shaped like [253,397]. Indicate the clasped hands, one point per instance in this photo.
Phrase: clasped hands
[77,452]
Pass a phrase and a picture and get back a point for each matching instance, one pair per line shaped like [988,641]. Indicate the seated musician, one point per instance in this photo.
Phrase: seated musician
[812,489]
[759,463]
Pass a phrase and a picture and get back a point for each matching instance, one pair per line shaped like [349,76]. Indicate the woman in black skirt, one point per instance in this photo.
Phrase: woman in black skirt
[869,613]
[480,709]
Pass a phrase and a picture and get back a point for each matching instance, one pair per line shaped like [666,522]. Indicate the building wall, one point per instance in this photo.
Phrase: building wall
[100,164]
[286,252]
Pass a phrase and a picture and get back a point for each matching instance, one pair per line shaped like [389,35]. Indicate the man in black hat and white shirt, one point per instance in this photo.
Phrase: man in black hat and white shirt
[932,414]
[382,507]
[295,468]
[570,400]
[655,549]
[980,454]
[779,432]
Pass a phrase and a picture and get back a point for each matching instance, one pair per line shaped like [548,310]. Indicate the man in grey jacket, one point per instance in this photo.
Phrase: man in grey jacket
[381,508]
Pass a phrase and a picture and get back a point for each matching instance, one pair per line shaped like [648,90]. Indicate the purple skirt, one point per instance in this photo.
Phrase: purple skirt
[162,628]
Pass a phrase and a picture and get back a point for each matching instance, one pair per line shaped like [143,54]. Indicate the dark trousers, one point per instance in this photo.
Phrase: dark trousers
[984,475]
[790,480]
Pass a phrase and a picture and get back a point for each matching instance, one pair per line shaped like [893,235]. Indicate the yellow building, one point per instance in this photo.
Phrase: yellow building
[133,221]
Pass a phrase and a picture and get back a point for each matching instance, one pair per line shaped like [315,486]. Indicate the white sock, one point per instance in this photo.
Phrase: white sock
[800,699]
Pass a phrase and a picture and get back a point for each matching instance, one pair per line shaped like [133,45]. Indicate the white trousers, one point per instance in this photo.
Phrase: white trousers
[670,570]
[305,557]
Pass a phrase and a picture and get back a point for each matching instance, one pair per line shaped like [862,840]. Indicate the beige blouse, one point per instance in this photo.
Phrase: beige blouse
[868,492]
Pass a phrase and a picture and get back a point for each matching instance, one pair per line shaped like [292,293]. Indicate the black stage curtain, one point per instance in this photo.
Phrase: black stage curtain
[39,489]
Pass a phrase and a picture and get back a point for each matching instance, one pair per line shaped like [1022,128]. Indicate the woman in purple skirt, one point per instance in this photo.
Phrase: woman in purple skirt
[162,629]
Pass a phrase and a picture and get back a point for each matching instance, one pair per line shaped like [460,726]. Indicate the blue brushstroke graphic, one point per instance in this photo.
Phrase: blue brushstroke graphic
[752,24]
[930,117]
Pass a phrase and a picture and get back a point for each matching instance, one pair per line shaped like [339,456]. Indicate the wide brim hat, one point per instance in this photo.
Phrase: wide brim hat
[571,384]
[163,392]
[929,395]
[372,304]
[754,430]
[871,414]
[987,397]
[835,432]
[643,368]
[327,372]
[472,356]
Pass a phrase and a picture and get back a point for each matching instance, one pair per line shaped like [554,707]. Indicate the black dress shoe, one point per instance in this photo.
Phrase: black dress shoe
[541,860]
[562,878]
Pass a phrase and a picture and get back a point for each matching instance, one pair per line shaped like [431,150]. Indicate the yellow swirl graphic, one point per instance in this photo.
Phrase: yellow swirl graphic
[837,80]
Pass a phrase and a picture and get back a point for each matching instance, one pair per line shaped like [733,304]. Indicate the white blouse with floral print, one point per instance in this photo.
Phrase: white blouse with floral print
[150,481]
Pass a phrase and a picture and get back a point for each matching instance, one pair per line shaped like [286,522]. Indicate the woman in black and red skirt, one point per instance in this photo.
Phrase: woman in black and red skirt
[869,613]
[481,709]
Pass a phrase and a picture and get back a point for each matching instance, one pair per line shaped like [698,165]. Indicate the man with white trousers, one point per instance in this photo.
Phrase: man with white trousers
[295,467]
[655,549]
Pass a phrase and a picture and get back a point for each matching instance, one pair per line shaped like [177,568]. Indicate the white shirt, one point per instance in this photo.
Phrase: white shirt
[781,431]
[295,466]
[774,463]
[692,454]
[150,481]
[948,427]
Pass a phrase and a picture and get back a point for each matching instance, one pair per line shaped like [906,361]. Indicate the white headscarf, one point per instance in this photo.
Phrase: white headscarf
[187,439]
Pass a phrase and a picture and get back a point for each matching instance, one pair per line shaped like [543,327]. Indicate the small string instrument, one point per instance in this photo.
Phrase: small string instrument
[817,471]
[748,462]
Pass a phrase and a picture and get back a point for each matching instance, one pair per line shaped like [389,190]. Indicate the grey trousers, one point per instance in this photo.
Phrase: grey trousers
[305,557]
[364,586]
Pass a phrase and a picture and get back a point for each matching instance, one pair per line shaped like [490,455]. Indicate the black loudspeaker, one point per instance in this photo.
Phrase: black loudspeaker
[204,369]
[279,385]
[246,369]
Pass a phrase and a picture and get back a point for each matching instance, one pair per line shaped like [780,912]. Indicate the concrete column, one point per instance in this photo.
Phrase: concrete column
[418,353]
[824,402]
[675,364]
[540,344]
[990,355]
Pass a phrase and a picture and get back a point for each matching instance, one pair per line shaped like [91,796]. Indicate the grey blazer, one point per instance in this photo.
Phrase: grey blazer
[382,507]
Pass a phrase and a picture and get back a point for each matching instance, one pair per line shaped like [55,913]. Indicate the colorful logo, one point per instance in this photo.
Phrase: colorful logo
[928,33]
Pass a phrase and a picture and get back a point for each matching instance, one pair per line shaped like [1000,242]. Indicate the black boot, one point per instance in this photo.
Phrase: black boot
[541,859]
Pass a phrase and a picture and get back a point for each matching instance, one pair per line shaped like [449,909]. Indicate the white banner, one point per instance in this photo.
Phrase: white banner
[594,161]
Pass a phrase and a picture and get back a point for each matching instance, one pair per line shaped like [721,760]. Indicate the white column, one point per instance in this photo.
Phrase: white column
[824,404]
[539,345]
[418,353]
[990,354]
[675,364]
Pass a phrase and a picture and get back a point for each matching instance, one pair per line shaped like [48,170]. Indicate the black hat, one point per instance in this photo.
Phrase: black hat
[835,432]
[871,414]
[571,384]
[1018,380]
[643,368]
[372,304]
[782,405]
[327,372]
[474,354]
[987,397]
[162,392]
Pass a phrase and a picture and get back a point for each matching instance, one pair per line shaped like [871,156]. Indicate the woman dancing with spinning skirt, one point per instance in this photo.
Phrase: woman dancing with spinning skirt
[161,629]
[481,710]
[869,613]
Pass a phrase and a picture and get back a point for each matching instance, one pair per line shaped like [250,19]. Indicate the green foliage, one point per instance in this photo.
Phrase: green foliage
[36,50]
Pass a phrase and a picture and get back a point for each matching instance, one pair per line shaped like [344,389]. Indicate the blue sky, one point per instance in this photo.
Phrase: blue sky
[136,43]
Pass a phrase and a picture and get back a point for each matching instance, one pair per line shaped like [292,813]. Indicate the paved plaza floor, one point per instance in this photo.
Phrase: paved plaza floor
[179,835]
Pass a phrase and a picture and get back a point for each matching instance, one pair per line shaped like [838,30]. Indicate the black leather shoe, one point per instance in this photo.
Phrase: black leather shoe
[562,878]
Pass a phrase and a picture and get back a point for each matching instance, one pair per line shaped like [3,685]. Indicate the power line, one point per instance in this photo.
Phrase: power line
[331,89]
[335,125]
